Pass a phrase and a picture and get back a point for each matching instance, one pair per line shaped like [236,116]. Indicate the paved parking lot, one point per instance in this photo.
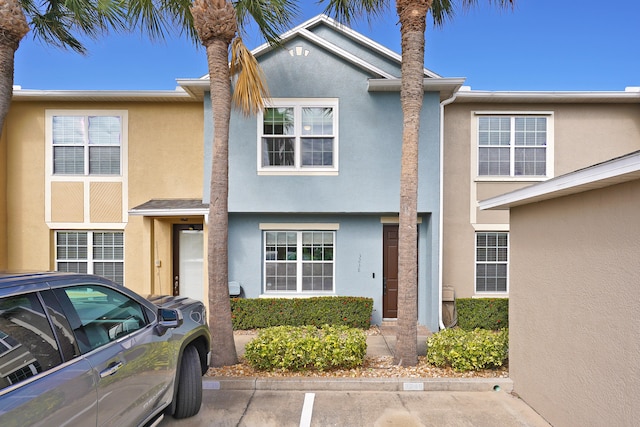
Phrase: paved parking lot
[263,408]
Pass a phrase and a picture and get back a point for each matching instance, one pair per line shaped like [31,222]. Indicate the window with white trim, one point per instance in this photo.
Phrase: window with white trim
[299,261]
[93,252]
[492,262]
[513,146]
[298,136]
[86,144]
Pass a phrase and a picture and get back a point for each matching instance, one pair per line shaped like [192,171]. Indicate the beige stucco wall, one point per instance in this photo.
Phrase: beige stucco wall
[574,307]
[583,135]
[165,160]
[3,201]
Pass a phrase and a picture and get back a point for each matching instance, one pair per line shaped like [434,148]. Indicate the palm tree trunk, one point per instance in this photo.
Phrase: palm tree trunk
[223,350]
[13,27]
[412,16]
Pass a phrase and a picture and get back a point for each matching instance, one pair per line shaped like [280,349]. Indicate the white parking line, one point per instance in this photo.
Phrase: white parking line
[307,410]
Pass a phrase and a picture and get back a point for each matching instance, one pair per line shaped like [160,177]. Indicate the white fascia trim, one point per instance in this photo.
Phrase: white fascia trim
[303,30]
[168,212]
[593,177]
[370,43]
[549,96]
[28,94]
[338,51]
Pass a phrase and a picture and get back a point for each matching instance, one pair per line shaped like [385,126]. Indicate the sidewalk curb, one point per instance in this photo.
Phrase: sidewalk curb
[360,384]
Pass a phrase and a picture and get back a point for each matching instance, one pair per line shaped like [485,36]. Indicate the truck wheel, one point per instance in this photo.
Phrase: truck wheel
[189,395]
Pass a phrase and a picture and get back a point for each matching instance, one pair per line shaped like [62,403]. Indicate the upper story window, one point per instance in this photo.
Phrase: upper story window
[514,145]
[86,144]
[299,136]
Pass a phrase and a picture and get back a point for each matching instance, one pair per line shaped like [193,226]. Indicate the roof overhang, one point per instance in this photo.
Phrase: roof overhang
[171,208]
[629,95]
[177,95]
[615,171]
[447,87]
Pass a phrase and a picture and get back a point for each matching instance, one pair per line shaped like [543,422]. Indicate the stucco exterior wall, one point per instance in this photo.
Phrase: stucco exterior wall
[165,160]
[3,200]
[584,135]
[573,313]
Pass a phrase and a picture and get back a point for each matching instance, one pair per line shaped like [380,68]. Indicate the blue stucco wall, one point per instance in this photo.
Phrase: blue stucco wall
[365,189]
[358,256]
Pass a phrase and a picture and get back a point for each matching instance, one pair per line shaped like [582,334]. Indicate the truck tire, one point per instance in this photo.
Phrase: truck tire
[189,394]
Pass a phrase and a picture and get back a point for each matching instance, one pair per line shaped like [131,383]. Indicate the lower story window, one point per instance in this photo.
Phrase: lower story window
[299,261]
[93,252]
[492,252]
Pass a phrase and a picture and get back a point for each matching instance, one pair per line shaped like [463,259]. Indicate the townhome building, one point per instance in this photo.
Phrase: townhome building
[116,183]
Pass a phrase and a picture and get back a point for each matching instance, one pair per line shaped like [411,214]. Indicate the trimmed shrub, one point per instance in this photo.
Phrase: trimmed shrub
[354,312]
[484,313]
[306,347]
[468,350]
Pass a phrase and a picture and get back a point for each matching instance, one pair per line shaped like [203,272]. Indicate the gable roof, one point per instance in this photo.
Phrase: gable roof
[383,80]
[615,171]
[305,30]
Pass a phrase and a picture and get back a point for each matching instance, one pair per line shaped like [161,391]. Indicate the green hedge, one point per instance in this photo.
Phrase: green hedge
[484,313]
[468,350]
[258,313]
[306,347]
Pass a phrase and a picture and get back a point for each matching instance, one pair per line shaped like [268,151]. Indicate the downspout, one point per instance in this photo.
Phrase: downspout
[441,201]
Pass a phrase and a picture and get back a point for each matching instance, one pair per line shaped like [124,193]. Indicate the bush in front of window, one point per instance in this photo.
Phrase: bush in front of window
[258,313]
[298,348]
[484,313]
[468,350]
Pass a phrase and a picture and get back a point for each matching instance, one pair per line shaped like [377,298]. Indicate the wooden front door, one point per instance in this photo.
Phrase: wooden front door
[390,272]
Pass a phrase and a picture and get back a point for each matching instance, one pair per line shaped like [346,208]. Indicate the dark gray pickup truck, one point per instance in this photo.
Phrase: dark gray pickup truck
[80,350]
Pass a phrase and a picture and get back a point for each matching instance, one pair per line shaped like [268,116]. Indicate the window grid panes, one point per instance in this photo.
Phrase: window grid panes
[492,257]
[298,137]
[86,145]
[94,252]
[299,261]
[512,146]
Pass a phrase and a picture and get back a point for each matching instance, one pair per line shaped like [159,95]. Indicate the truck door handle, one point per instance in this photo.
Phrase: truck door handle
[111,369]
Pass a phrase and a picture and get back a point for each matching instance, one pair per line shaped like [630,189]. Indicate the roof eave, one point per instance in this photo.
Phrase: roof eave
[628,96]
[447,87]
[615,171]
[177,95]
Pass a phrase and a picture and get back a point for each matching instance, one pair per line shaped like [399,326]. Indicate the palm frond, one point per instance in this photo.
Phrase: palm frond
[250,83]
[348,11]
[272,17]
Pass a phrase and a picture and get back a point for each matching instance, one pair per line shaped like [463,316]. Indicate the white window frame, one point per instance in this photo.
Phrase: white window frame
[297,169]
[90,261]
[549,115]
[486,293]
[299,261]
[86,179]
[86,145]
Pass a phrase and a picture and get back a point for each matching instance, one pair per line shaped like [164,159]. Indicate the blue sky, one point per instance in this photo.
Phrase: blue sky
[540,45]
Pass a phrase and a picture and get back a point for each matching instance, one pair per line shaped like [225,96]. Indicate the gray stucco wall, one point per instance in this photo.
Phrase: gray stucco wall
[573,310]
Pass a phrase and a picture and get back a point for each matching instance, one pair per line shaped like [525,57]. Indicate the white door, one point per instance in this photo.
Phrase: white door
[188,270]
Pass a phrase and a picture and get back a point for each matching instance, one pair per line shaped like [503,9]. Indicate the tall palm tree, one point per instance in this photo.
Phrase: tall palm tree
[217,23]
[58,23]
[412,16]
